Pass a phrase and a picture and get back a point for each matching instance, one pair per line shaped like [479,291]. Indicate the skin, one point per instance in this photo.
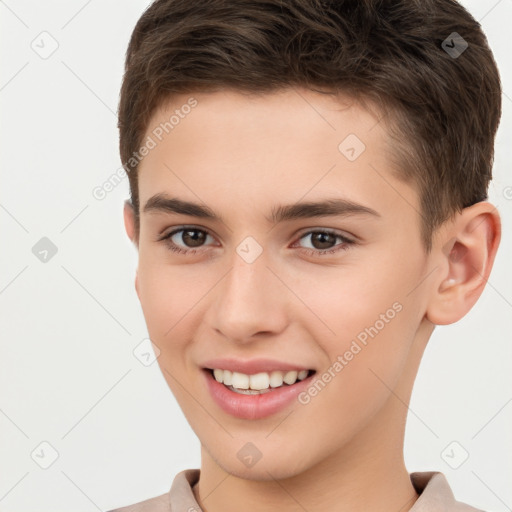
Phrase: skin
[241,156]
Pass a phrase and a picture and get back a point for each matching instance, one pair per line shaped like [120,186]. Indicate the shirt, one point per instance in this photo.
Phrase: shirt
[434,492]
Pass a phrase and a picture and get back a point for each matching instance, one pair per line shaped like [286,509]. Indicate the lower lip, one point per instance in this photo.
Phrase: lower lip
[252,407]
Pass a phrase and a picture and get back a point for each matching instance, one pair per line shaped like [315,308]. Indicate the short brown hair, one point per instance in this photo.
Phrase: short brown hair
[442,110]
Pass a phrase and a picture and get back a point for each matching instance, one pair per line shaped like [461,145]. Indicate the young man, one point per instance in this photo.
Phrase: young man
[308,199]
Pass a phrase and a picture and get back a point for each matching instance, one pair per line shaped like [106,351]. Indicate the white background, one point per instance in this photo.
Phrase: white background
[68,375]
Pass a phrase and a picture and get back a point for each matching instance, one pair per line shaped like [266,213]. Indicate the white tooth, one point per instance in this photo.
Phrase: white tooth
[259,381]
[290,377]
[240,380]
[276,379]
[227,377]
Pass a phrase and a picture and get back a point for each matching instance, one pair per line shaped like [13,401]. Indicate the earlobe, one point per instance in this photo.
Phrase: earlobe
[467,258]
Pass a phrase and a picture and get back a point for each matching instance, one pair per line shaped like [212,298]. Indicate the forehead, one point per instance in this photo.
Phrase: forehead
[293,114]
[293,142]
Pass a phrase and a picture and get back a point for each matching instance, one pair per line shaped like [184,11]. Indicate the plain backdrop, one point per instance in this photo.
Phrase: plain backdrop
[71,387]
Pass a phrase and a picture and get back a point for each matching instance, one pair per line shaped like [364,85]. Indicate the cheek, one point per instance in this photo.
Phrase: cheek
[348,298]
[167,302]
[366,317]
[170,302]
[168,293]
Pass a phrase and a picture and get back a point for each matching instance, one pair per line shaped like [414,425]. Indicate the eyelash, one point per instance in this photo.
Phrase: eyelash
[311,252]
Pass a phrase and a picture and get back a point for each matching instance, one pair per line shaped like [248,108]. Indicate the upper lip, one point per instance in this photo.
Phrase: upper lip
[252,366]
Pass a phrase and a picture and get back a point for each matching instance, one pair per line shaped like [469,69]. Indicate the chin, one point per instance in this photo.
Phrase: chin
[262,472]
[269,467]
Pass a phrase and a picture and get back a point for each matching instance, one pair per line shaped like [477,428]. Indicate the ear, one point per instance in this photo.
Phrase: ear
[465,253]
[129,225]
[129,221]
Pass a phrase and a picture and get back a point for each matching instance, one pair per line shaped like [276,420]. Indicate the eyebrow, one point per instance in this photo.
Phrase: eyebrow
[305,210]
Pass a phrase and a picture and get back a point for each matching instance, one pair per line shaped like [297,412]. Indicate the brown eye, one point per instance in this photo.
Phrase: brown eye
[321,240]
[185,239]
[193,237]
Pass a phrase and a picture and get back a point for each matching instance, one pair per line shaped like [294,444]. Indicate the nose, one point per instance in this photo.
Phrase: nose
[250,300]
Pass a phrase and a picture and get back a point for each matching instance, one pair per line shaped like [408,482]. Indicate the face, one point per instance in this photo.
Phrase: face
[335,291]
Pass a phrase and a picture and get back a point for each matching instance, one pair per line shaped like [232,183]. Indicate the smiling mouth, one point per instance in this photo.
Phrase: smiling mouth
[260,383]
